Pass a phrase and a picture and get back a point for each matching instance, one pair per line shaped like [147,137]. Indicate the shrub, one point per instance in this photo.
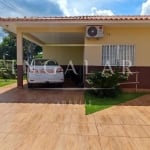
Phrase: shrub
[6,69]
[106,84]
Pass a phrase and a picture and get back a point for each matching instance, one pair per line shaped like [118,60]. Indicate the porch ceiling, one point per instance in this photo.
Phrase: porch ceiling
[47,34]
[60,38]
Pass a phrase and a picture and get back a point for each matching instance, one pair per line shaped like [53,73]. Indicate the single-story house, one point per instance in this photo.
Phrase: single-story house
[91,40]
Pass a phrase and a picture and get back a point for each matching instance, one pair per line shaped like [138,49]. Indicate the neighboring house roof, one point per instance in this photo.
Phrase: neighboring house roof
[79,18]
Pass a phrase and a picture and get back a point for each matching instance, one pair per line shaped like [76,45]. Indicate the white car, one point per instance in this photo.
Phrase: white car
[44,71]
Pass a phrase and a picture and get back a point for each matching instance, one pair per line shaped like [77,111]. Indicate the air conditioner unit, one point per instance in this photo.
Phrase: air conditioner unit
[94,31]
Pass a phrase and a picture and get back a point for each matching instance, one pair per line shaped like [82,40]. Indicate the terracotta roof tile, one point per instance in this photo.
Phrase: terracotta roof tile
[102,18]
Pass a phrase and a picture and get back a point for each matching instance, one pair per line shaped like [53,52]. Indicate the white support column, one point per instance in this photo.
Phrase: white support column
[19,60]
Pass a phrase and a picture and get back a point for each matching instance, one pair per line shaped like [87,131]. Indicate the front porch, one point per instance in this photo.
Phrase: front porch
[63,44]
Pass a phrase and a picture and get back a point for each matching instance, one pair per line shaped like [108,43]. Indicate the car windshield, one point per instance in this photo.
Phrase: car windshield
[42,62]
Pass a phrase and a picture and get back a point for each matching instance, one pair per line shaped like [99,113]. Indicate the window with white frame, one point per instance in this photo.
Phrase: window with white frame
[118,55]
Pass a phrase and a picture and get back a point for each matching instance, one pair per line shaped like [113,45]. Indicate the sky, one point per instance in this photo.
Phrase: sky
[21,8]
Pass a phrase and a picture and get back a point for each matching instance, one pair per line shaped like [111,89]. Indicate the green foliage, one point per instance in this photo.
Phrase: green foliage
[94,103]
[39,55]
[30,49]
[106,84]
[4,82]
[8,47]
[7,69]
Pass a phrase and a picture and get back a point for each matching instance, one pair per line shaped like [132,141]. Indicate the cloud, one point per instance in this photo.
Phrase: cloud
[63,5]
[75,8]
[22,8]
[145,8]
[95,11]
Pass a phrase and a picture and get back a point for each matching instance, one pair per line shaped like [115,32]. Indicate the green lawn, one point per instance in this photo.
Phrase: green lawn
[94,104]
[4,82]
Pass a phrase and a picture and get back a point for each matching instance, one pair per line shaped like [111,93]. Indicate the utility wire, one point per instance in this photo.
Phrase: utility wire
[10,5]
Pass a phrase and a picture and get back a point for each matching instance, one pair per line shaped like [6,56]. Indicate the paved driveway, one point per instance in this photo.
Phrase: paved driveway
[55,120]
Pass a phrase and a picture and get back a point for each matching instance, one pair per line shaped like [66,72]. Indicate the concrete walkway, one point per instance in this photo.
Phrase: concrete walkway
[38,119]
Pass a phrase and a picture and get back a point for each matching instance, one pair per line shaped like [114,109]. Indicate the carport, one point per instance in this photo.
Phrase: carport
[61,38]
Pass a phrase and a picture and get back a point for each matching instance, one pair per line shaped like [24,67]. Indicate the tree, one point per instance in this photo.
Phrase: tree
[8,47]
[30,49]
